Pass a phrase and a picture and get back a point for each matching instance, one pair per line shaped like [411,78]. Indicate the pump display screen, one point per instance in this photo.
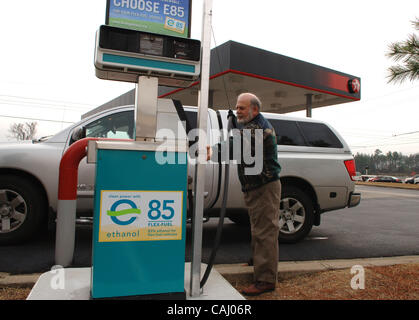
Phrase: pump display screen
[155,16]
[151,45]
[133,41]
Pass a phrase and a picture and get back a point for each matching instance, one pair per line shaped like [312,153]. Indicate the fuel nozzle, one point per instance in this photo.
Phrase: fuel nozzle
[232,120]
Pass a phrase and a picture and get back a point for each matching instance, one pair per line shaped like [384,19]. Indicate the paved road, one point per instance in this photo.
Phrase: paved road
[385,224]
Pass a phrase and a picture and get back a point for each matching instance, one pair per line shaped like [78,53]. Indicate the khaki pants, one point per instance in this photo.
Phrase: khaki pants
[263,207]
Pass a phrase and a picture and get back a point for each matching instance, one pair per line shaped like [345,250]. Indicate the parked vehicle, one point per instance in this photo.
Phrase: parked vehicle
[358,176]
[317,173]
[411,180]
[367,177]
[416,180]
[385,179]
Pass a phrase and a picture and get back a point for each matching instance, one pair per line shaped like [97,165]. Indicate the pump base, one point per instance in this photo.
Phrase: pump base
[77,286]
[160,296]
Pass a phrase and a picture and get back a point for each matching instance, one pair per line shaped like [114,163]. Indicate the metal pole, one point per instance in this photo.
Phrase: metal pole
[67,202]
[203,98]
[211,99]
[309,103]
[146,108]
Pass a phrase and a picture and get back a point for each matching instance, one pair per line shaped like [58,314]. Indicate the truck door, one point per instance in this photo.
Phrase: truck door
[211,169]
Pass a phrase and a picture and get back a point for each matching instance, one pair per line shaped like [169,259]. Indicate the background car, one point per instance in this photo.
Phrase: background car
[385,179]
[416,180]
[367,177]
[411,180]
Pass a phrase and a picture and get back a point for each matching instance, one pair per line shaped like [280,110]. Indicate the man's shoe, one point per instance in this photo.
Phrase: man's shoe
[258,288]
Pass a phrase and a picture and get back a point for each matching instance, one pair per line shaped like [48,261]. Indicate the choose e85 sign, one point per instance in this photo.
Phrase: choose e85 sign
[169,17]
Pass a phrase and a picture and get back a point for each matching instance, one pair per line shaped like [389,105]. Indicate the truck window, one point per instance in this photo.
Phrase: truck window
[319,135]
[115,126]
[287,133]
[192,118]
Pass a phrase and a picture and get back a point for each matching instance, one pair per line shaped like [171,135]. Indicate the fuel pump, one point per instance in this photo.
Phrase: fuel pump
[140,215]
[140,194]
[139,223]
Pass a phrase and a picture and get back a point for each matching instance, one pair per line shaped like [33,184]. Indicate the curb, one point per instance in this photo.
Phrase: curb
[389,185]
[23,280]
[242,270]
[317,265]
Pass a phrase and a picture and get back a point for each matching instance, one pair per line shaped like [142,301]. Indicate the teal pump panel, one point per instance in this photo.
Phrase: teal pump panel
[139,223]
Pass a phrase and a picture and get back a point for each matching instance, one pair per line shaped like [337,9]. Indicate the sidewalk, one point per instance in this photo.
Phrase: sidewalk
[241,270]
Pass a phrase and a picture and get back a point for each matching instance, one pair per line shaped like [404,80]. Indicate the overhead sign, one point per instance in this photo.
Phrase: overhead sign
[168,17]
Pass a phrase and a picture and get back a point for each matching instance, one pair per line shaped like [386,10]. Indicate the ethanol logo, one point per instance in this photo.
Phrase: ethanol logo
[114,213]
[175,25]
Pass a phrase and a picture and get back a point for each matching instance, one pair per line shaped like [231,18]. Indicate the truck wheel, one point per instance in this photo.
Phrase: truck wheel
[22,209]
[296,216]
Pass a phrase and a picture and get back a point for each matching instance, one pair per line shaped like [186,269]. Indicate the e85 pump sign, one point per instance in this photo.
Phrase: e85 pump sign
[168,17]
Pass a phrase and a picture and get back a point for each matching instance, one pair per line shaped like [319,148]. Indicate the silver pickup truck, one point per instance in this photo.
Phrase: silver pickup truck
[317,173]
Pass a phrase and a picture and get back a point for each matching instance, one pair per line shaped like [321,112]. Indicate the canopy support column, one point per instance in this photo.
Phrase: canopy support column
[309,103]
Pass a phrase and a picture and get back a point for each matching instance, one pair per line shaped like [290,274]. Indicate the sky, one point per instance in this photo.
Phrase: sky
[47,48]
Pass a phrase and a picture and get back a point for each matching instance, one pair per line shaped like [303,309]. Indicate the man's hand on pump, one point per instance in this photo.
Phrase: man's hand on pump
[209,153]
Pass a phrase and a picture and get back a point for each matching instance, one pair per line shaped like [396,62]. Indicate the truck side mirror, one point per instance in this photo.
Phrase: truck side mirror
[78,134]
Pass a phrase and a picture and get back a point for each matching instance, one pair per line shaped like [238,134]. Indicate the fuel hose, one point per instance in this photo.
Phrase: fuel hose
[232,123]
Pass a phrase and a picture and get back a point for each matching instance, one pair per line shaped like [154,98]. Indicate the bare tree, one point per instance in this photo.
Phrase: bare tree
[23,131]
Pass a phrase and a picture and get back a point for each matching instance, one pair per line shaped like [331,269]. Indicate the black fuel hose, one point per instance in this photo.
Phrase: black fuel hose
[232,123]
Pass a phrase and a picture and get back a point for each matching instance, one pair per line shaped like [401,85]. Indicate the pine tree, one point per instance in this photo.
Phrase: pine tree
[407,54]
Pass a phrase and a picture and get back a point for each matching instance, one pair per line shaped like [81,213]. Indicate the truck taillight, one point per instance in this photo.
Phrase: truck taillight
[350,167]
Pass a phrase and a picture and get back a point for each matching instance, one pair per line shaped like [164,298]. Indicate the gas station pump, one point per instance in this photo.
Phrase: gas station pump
[140,197]
[139,223]
[140,211]
[139,216]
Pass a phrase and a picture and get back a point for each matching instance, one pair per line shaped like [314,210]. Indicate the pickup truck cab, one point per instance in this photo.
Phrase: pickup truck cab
[317,173]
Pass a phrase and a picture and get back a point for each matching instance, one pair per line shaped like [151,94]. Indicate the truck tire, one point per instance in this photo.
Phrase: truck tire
[22,209]
[297,215]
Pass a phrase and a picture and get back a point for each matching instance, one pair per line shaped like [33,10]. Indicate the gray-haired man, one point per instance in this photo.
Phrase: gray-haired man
[262,193]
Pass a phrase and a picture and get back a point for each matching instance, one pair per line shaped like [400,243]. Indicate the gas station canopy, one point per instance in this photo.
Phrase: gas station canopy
[282,83]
